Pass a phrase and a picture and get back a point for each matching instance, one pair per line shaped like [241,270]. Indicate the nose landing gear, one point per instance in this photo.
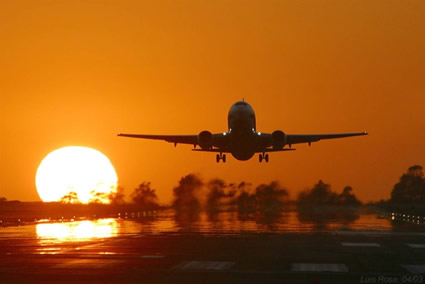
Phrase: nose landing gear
[263,156]
[221,156]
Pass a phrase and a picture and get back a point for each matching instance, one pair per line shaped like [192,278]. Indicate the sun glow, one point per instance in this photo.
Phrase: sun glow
[77,231]
[80,170]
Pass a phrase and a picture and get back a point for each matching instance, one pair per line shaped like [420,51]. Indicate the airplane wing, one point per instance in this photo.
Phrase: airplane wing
[308,138]
[217,139]
[180,139]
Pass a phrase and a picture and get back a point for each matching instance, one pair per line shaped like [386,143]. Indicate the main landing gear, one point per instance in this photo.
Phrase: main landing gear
[263,157]
[221,156]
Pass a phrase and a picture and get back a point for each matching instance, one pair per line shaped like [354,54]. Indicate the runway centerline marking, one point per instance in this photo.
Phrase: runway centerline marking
[152,256]
[118,255]
[416,245]
[319,267]
[86,263]
[349,244]
[137,236]
[414,268]
[205,265]
[379,233]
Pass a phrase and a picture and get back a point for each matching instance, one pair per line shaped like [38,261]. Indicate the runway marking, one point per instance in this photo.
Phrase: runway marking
[414,268]
[152,256]
[112,255]
[137,236]
[86,263]
[205,265]
[416,246]
[319,267]
[347,244]
[380,233]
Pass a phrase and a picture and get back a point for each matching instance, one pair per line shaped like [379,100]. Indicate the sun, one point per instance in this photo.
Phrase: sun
[81,172]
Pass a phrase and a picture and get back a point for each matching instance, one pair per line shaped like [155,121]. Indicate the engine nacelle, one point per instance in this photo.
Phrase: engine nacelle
[205,140]
[279,139]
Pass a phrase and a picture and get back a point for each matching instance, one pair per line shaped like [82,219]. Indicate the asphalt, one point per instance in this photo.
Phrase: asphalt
[194,257]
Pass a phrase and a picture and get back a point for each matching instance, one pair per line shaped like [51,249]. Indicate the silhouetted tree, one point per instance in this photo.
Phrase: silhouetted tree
[320,205]
[270,197]
[215,193]
[3,199]
[116,197]
[320,194]
[185,198]
[411,186]
[219,193]
[145,197]
[347,198]
[98,197]
[244,200]
[415,171]
[70,198]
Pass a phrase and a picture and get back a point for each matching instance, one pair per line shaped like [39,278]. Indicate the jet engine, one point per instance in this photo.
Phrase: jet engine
[205,140]
[278,139]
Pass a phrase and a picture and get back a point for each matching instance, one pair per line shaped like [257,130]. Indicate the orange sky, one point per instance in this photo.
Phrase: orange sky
[79,72]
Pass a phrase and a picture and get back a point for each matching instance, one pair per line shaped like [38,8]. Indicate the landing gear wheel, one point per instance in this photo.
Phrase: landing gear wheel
[262,157]
[220,157]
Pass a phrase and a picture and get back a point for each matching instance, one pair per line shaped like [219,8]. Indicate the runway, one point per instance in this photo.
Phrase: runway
[117,251]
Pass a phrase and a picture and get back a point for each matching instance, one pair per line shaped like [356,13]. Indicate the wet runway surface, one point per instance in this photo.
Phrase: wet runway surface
[122,250]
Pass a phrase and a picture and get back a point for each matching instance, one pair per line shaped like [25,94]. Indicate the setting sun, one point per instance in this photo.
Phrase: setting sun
[80,170]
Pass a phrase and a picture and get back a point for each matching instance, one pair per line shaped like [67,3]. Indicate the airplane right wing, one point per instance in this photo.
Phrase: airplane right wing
[308,138]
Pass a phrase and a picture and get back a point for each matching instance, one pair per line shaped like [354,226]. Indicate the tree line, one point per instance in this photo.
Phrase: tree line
[408,194]
[192,194]
[411,187]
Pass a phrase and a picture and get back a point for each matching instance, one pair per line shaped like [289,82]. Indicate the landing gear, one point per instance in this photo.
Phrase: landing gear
[263,157]
[221,157]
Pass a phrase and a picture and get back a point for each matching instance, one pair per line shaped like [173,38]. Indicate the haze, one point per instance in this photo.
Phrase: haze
[79,72]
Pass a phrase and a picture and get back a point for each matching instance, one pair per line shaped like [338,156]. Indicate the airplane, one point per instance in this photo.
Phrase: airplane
[242,139]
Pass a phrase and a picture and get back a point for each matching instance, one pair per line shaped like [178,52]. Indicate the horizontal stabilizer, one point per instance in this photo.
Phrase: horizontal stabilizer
[277,150]
[211,150]
[260,151]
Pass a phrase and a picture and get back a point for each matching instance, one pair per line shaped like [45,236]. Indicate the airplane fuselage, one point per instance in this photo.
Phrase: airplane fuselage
[242,131]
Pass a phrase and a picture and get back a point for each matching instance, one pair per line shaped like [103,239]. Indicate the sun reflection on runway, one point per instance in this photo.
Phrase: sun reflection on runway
[76,231]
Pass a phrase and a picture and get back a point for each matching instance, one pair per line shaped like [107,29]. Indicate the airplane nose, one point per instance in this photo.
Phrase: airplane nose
[243,113]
